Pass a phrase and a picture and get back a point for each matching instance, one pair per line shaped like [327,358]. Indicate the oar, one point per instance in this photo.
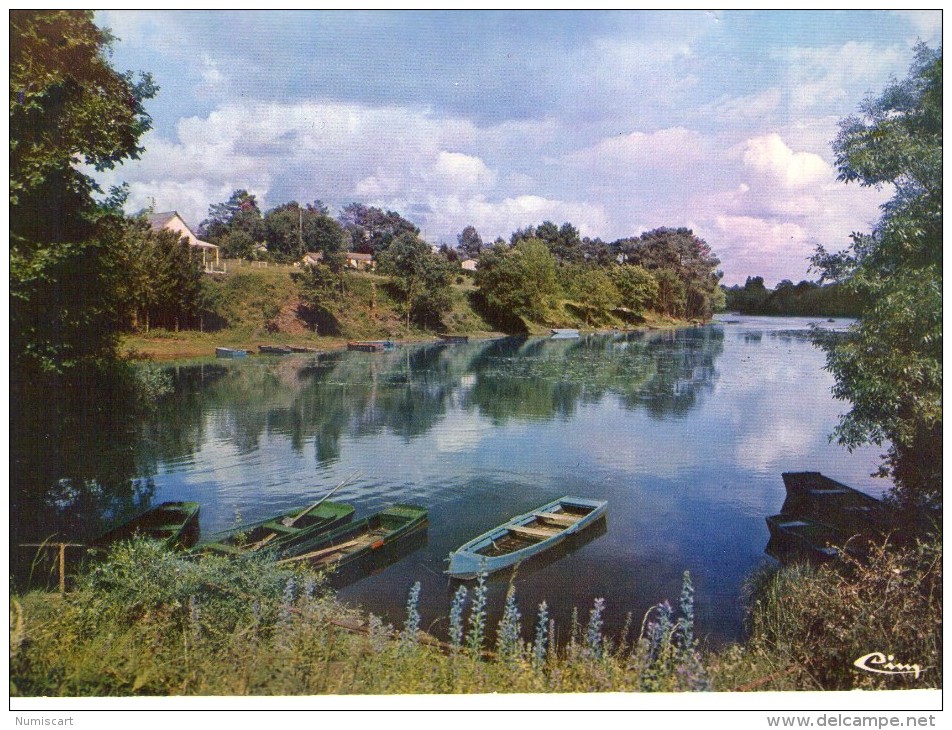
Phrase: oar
[320,553]
[321,500]
[290,523]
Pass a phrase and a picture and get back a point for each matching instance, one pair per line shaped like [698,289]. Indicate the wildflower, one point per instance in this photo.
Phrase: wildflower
[507,640]
[594,632]
[456,617]
[412,625]
[542,626]
[477,615]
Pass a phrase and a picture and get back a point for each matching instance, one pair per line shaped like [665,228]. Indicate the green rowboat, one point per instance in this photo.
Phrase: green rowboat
[286,532]
[362,538]
[174,524]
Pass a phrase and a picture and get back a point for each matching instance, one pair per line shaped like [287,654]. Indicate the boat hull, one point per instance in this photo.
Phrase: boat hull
[812,495]
[353,542]
[371,346]
[173,524]
[796,538]
[542,528]
[228,352]
[324,518]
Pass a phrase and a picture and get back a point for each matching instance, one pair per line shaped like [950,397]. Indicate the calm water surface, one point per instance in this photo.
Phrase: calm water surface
[684,433]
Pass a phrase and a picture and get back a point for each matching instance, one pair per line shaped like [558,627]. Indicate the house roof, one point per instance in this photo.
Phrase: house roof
[360,256]
[161,221]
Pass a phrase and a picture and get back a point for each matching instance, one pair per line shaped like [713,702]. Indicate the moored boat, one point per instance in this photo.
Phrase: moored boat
[802,538]
[524,536]
[274,350]
[370,345]
[362,538]
[455,339]
[174,524]
[229,352]
[284,532]
[564,334]
[817,497]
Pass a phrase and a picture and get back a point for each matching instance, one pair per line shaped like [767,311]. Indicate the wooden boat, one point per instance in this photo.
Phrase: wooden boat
[298,348]
[371,345]
[174,524]
[564,334]
[802,538]
[230,352]
[362,538]
[274,350]
[525,536]
[817,497]
[454,339]
[284,532]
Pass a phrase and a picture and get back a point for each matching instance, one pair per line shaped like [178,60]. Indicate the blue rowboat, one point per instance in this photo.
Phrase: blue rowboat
[564,334]
[524,536]
[229,352]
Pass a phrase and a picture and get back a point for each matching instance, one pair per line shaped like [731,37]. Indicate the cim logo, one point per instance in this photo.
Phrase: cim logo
[883,664]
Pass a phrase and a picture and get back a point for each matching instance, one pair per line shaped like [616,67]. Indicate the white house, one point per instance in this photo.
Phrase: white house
[469,264]
[172,221]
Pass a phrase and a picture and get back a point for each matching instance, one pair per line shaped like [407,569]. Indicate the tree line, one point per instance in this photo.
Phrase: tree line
[808,298]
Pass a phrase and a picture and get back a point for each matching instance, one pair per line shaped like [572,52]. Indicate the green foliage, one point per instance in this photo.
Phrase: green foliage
[518,281]
[890,369]
[292,230]
[421,278]
[823,619]
[236,225]
[372,230]
[804,299]
[67,107]
[637,288]
[685,267]
[323,287]
[469,242]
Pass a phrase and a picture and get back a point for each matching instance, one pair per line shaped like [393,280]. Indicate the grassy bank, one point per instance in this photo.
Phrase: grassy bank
[147,622]
[253,306]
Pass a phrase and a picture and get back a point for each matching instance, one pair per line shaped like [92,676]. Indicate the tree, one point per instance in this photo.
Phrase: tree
[691,260]
[371,229]
[890,367]
[469,242]
[637,288]
[518,281]
[68,107]
[236,225]
[421,277]
[291,231]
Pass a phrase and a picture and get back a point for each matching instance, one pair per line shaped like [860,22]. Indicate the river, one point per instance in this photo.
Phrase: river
[685,433]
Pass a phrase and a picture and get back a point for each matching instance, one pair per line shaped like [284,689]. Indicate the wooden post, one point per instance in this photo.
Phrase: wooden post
[62,567]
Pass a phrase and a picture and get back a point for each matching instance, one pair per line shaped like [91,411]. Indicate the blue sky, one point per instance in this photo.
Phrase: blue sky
[618,122]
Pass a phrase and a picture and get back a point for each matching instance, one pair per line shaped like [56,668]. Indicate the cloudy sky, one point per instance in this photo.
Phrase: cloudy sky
[618,122]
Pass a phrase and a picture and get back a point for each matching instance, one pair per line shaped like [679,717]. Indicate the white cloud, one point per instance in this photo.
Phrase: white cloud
[459,171]
[769,155]
[926,23]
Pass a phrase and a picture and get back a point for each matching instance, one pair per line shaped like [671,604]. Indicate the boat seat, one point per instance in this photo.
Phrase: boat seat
[530,531]
[556,517]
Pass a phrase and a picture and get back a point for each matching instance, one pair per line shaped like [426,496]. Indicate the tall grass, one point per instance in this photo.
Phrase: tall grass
[148,622]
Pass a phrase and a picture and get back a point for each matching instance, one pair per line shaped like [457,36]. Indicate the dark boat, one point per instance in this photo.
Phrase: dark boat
[371,345]
[298,348]
[800,538]
[274,350]
[525,536]
[174,524]
[229,352]
[454,339]
[284,532]
[362,538]
[817,497]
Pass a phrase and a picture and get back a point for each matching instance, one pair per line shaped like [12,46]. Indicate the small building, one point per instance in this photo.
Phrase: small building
[312,258]
[359,261]
[469,264]
[172,221]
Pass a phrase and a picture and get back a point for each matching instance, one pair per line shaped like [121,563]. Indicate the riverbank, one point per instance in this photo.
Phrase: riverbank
[248,626]
[265,306]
